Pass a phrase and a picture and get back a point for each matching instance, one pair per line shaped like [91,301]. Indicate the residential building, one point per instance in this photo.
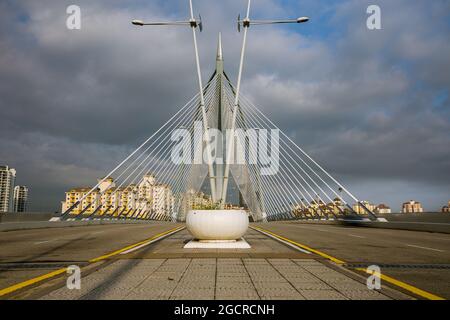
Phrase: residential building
[135,200]
[20,198]
[412,206]
[359,209]
[319,207]
[337,206]
[382,209]
[7,179]
[76,194]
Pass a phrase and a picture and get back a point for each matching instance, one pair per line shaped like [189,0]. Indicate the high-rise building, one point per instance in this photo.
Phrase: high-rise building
[412,206]
[7,178]
[20,198]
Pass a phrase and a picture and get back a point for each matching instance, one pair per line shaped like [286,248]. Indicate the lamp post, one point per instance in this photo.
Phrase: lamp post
[193,24]
[245,23]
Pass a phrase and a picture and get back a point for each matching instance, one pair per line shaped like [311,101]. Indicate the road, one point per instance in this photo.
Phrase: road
[28,253]
[403,253]
[165,270]
[421,259]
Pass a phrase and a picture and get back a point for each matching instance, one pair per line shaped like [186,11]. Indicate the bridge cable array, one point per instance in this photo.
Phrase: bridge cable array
[149,185]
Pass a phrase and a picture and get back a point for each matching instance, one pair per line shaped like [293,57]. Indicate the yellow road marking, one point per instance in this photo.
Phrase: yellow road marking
[31,281]
[408,287]
[398,283]
[335,260]
[106,256]
[63,270]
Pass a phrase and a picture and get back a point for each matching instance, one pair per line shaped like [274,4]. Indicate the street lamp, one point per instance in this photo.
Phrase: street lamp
[193,24]
[246,22]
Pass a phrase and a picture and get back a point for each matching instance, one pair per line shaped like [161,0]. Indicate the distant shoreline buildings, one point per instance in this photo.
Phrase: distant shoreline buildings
[337,207]
[378,209]
[412,206]
[136,200]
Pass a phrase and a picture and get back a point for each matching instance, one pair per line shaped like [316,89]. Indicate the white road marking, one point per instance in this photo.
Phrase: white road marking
[425,248]
[446,239]
[321,230]
[355,236]
[46,241]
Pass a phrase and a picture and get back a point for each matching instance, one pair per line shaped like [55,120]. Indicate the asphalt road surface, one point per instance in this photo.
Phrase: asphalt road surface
[421,259]
[25,254]
[418,258]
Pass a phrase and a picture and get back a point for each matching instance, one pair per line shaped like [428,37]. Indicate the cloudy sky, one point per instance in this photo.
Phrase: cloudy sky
[372,106]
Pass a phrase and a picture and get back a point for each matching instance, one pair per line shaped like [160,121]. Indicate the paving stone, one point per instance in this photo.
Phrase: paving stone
[65,294]
[106,294]
[192,295]
[304,262]
[311,286]
[224,275]
[301,278]
[363,295]
[266,278]
[278,292]
[229,261]
[222,278]
[236,297]
[147,296]
[299,297]
[234,285]
[322,295]
[243,281]
[343,286]
[204,261]
[156,286]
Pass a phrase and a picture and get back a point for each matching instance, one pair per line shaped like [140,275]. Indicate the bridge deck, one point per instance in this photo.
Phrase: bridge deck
[164,270]
[270,269]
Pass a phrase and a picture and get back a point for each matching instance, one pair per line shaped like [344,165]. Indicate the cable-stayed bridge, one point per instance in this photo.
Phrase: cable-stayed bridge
[276,178]
[127,232]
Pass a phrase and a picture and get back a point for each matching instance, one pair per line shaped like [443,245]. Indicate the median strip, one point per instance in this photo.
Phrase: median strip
[55,273]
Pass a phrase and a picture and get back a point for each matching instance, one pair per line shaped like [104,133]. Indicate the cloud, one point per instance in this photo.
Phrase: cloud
[361,102]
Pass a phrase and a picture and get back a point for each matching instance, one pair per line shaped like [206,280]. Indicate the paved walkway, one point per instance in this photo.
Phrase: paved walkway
[269,270]
[201,278]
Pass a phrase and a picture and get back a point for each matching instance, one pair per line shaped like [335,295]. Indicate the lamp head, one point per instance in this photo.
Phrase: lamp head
[302,19]
[138,22]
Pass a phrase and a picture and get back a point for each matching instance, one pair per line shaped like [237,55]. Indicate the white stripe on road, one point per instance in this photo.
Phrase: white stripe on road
[46,241]
[446,239]
[425,248]
[355,236]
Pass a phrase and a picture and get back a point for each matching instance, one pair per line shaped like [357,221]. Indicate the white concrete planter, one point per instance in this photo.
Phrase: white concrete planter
[217,224]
